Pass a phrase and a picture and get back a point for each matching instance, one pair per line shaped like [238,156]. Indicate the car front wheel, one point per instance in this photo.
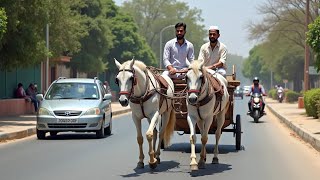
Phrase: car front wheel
[100,132]
[41,134]
[108,129]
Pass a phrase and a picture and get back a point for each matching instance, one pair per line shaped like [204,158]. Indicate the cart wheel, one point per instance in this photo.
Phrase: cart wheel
[238,132]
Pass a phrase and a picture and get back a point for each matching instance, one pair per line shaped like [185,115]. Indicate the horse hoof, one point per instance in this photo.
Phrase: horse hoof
[158,160]
[201,165]
[140,165]
[194,167]
[153,165]
[215,160]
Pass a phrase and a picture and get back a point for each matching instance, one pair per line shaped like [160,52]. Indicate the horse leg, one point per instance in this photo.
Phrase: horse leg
[162,125]
[155,137]
[149,134]
[220,121]
[204,127]
[137,122]
[193,139]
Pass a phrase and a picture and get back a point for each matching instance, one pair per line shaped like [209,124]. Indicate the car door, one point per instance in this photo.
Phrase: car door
[106,104]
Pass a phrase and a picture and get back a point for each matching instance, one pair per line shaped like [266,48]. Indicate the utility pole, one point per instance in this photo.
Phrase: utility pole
[306,50]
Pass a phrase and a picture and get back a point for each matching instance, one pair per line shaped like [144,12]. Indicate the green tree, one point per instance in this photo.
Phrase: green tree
[313,39]
[255,65]
[153,15]
[24,43]
[3,22]
[128,43]
[96,45]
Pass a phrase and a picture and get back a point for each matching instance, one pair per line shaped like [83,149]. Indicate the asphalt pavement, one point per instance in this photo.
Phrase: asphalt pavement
[308,128]
[17,127]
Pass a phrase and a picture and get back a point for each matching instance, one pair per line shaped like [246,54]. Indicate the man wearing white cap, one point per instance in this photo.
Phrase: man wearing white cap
[214,53]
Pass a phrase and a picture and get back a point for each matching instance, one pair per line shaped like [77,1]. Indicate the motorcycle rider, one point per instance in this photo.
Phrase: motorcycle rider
[280,90]
[256,88]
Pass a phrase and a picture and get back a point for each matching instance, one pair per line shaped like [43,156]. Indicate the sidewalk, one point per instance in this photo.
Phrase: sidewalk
[307,128]
[16,127]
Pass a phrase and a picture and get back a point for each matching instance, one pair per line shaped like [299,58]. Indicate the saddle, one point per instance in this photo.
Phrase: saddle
[163,87]
[217,86]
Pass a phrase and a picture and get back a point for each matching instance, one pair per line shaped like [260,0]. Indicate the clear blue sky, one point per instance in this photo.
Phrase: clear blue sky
[231,16]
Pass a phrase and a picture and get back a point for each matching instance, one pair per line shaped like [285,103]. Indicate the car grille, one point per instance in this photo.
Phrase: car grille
[67,113]
[59,125]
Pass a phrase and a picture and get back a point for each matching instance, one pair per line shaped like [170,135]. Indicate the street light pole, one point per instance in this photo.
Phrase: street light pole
[47,62]
[307,52]
[160,60]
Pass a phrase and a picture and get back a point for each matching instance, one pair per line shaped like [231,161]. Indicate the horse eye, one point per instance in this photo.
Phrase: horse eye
[117,81]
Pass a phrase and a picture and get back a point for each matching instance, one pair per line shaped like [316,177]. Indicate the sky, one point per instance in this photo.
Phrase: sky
[231,16]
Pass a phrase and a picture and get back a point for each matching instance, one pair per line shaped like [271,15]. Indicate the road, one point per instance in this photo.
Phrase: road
[270,151]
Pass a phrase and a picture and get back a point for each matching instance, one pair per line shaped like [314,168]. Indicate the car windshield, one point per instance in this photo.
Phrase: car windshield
[73,91]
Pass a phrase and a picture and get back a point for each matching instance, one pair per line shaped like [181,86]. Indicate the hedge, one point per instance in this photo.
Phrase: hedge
[273,94]
[291,96]
[311,97]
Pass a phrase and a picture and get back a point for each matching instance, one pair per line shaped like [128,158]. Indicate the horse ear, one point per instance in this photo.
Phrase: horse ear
[117,63]
[132,63]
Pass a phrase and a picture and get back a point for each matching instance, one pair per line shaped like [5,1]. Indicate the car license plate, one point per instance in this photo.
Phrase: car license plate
[67,120]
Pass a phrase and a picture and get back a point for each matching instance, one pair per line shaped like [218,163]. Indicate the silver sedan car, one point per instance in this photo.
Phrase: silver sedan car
[75,104]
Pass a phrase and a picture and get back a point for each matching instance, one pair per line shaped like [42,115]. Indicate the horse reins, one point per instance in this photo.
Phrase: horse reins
[209,96]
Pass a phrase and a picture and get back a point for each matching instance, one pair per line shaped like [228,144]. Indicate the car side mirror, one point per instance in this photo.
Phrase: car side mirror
[39,97]
[107,97]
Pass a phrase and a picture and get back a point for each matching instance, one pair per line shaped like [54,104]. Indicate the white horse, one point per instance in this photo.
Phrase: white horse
[203,105]
[139,87]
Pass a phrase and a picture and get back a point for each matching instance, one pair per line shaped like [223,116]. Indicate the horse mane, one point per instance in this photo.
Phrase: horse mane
[195,66]
[137,63]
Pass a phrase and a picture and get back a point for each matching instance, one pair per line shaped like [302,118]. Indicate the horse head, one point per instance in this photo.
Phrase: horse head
[195,80]
[126,80]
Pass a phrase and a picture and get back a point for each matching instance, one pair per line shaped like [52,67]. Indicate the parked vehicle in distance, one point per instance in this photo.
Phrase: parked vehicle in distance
[246,89]
[238,92]
[75,104]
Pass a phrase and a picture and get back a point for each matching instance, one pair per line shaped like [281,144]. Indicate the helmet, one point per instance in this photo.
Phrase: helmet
[256,79]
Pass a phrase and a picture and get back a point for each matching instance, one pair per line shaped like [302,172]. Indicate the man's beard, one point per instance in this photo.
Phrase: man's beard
[212,40]
[179,37]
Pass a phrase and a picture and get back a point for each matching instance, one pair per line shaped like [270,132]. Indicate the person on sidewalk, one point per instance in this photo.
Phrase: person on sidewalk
[256,88]
[177,52]
[214,52]
[31,92]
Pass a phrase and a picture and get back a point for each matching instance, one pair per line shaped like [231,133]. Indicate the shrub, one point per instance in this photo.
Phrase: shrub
[311,98]
[273,94]
[291,96]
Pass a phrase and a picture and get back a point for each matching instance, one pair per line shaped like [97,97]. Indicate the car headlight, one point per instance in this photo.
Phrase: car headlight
[44,111]
[93,111]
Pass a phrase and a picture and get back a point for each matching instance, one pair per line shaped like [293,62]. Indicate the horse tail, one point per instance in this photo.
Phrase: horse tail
[170,128]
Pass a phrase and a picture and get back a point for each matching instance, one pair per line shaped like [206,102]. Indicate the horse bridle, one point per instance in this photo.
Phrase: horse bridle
[202,83]
[134,82]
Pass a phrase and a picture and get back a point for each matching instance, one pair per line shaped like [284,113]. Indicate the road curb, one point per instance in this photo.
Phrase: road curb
[31,131]
[301,132]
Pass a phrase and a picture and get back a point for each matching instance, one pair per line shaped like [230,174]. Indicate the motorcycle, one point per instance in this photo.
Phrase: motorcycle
[280,95]
[256,107]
